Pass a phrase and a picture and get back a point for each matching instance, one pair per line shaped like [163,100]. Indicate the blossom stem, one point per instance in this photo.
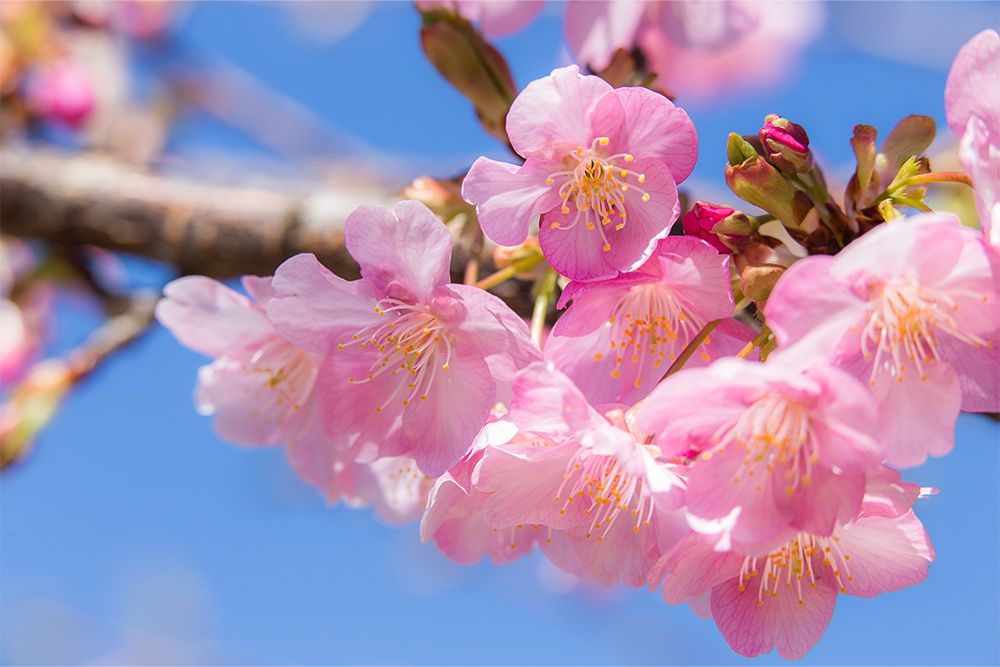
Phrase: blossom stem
[935,177]
[545,288]
[471,271]
[909,201]
[759,339]
[508,272]
[691,347]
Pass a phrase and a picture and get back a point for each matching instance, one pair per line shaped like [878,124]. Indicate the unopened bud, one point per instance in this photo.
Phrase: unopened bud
[63,93]
[31,406]
[786,144]
[472,65]
[757,182]
[726,229]
[757,281]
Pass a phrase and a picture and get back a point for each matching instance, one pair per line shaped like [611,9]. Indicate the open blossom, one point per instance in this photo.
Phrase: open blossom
[605,503]
[697,49]
[619,336]
[496,18]
[911,309]
[972,102]
[601,168]
[454,515]
[774,448]
[411,361]
[783,597]
[260,387]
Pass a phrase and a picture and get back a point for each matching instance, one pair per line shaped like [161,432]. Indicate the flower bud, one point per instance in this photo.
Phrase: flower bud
[786,144]
[64,93]
[471,65]
[726,229]
[756,181]
[757,281]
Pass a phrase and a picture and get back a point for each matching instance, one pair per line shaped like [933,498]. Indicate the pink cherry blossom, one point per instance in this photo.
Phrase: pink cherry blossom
[496,18]
[972,102]
[411,361]
[584,475]
[454,515]
[707,49]
[911,309]
[601,168]
[632,327]
[783,597]
[697,49]
[781,449]
[63,93]
[260,387]
[595,29]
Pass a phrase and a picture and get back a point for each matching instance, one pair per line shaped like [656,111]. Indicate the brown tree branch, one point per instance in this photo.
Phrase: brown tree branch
[208,229]
[201,228]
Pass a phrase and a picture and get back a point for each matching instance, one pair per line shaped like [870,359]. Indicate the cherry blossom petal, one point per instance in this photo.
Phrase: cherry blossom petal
[208,317]
[348,409]
[259,398]
[405,253]
[558,113]
[574,357]
[900,249]
[694,568]
[887,554]
[329,470]
[829,500]
[845,422]
[655,128]
[918,416]
[442,428]
[648,221]
[712,494]
[519,481]
[508,196]
[317,310]
[572,249]
[973,86]
[548,404]
[494,331]
[976,368]
[595,29]
[780,622]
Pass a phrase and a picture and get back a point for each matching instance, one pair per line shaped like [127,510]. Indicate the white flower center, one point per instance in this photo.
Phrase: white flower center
[647,326]
[904,325]
[283,374]
[794,566]
[596,186]
[611,490]
[774,432]
[410,343]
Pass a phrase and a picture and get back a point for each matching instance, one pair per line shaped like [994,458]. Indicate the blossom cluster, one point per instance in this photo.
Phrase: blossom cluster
[645,442]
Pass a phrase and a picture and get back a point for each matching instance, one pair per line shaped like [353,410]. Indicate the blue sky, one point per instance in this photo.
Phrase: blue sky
[134,535]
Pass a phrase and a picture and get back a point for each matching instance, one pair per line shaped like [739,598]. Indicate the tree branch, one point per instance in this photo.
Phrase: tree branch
[201,228]
[208,229]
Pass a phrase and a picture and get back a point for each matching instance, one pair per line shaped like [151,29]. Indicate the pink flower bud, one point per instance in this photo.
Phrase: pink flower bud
[63,93]
[726,229]
[786,144]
